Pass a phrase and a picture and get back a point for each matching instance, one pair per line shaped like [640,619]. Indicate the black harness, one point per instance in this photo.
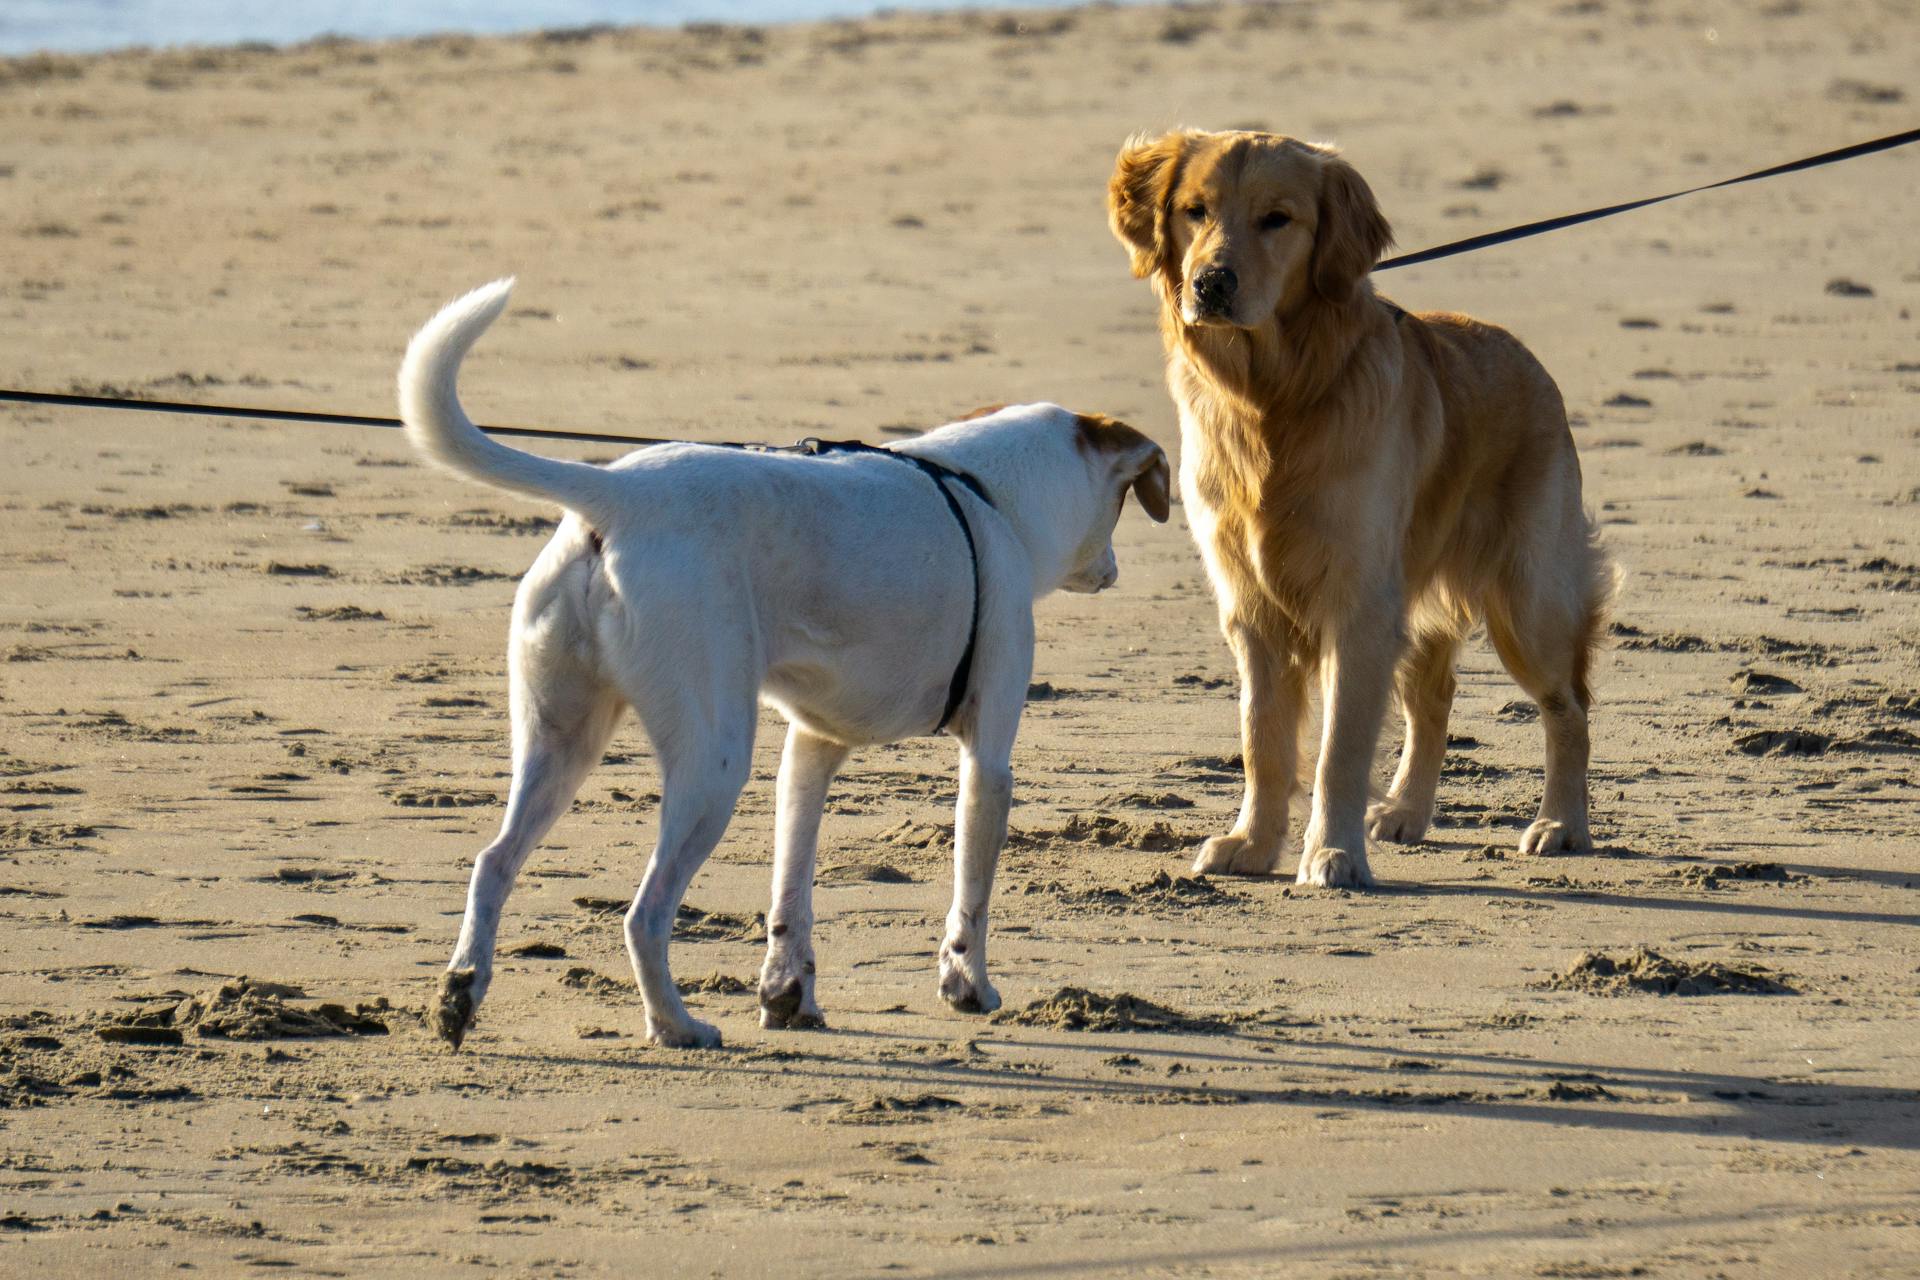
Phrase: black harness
[940,475]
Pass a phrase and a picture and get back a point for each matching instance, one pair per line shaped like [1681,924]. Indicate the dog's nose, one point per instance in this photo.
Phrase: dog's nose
[1214,287]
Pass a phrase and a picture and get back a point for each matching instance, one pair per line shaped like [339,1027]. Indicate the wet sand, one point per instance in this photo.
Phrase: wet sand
[254,696]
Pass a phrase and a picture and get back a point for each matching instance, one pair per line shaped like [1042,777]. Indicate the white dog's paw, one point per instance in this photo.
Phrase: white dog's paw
[789,1005]
[1332,868]
[962,985]
[1548,835]
[786,988]
[968,995]
[459,1002]
[691,1034]
[1234,855]
[1388,821]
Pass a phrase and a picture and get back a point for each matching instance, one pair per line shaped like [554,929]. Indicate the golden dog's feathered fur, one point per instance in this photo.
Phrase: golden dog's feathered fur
[1365,484]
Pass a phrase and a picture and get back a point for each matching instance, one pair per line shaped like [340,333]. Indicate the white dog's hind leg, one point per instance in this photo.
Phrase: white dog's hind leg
[787,979]
[702,769]
[980,830]
[559,732]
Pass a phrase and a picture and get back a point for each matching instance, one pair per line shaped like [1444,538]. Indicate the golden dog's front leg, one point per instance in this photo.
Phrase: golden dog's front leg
[1355,677]
[1272,701]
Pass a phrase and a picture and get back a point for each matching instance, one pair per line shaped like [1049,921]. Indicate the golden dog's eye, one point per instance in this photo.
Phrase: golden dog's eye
[1274,221]
[1197,212]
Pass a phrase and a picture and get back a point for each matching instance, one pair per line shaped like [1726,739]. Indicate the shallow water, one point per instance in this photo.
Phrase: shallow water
[83,26]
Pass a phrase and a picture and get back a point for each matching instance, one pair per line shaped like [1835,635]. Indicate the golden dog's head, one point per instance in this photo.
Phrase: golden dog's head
[1241,228]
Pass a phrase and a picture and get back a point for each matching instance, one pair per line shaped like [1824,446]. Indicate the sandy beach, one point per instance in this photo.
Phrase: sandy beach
[254,697]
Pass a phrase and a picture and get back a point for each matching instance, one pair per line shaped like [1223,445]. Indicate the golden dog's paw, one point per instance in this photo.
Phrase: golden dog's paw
[1550,836]
[1401,826]
[1335,869]
[1232,855]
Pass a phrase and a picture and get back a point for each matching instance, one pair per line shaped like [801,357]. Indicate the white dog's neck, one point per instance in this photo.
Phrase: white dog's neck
[1047,520]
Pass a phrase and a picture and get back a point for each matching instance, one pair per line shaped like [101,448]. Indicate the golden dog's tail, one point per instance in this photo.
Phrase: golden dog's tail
[1605,577]
[440,428]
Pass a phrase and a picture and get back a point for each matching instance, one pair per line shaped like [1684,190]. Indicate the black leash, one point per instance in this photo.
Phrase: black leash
[298,415]
[1575,219]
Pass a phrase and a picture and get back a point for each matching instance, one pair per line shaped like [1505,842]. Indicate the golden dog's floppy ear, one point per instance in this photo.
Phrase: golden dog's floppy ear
[1137,195]
[1352,233]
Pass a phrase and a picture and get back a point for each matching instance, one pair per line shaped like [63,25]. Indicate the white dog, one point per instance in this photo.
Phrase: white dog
[867,594]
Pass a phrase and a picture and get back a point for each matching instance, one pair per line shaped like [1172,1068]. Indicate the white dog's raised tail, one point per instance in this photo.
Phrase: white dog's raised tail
[440,428]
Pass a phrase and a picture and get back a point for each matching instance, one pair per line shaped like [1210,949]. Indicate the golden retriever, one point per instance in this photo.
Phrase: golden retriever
[1365,484]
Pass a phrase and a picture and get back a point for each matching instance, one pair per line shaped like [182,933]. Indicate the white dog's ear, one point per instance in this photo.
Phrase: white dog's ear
[1137,195]
[1137,462]
[1153,484]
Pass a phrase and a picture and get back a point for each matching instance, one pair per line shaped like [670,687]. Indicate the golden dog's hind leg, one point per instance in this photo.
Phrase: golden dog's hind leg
[1425,687]
[1545,643]
[1273,699]
[1562,824]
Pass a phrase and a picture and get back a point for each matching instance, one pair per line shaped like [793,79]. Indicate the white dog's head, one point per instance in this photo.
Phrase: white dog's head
[1120,459]
[1067,527]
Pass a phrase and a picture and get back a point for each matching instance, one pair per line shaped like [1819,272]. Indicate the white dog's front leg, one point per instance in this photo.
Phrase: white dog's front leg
[980,829]
[787,979]
[702,768]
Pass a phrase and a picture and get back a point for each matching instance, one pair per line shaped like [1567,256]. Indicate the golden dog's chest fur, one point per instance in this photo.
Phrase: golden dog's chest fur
[1365,484]
[1433,422]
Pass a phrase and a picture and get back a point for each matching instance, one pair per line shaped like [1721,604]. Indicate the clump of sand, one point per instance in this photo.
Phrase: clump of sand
[1160,891]
[598,985]
[1649,971]
[1106,831]
[243,1009]
[886,1108]
[1713,877]
[1078,1009]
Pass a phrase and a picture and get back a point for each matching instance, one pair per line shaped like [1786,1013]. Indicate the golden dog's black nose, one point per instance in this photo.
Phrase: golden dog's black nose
[1213,289]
